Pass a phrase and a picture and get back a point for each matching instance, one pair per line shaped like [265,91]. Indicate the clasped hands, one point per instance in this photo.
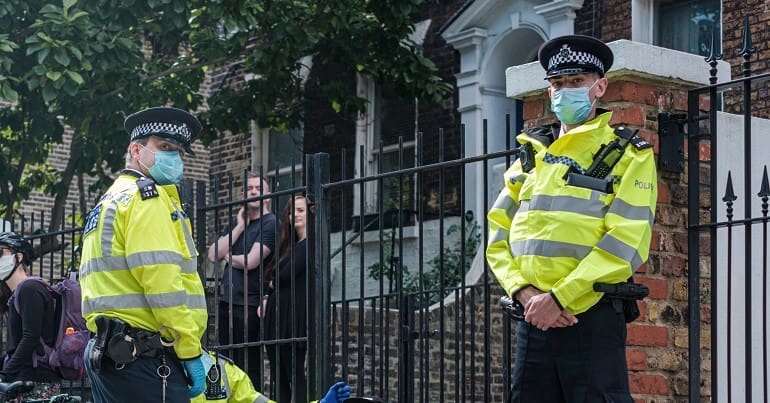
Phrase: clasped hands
[541,310]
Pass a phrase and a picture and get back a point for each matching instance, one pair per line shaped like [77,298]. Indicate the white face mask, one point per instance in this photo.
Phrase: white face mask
[7,265]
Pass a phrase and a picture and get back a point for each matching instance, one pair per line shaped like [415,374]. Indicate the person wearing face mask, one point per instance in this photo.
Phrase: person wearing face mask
[142,296]
[576,209]
[33,322]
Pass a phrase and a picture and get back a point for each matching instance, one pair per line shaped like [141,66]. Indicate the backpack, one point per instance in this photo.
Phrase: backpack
[65,357]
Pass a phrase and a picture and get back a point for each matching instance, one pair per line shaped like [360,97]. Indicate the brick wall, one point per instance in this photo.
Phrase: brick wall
[614,19]
[449,359]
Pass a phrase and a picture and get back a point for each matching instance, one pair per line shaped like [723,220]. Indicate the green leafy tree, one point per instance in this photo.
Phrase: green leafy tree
[85,64]
[82,65]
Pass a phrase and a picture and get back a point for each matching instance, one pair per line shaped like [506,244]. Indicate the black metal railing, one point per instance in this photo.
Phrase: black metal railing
[733,275]
[399,294]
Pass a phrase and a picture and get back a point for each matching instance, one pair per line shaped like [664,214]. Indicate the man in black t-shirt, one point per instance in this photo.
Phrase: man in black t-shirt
[247,247]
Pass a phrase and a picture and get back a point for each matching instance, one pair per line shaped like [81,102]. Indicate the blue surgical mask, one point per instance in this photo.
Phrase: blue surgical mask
[168,167]
[572,105]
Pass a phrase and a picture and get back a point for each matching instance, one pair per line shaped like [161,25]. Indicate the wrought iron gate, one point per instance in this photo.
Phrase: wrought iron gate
[413,328]
[727,128]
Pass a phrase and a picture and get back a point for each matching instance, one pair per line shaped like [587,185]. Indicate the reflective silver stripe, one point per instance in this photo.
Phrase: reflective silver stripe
[631,212]
[262,399]
[143,301]
[505,203]
[545,248]
[161,257]
[501,234]
[621,250]
[108,231]
[187,235]
[103,264]
[523,207]
[189,239]
[592,208]
[225,381]
[189,266]
[111,263]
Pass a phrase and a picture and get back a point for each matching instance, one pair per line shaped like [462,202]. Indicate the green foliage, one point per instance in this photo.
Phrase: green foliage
[86,64]
[447,268]
[387,268]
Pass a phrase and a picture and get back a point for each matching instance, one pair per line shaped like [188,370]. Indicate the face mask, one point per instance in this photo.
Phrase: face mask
[572,105]
[7,265]
[168,167]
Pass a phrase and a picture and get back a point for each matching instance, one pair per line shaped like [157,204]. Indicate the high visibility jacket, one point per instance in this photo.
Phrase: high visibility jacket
[235,384]
[139,264]
[562,238]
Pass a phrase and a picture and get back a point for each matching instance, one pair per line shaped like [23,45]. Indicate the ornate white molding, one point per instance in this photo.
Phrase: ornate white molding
[561,15]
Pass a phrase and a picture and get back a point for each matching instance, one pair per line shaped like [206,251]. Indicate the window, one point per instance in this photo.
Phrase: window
[394,120]
[688,25]
[280,151]
[388,119]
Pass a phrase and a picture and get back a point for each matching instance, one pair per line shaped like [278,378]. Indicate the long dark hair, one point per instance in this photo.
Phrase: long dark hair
[287,235]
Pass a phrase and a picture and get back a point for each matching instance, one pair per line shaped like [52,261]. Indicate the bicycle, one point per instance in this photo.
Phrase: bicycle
[16,392]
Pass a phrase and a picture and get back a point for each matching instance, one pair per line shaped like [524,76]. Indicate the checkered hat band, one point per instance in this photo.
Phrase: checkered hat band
[146,129]
[554,159]
[571,57]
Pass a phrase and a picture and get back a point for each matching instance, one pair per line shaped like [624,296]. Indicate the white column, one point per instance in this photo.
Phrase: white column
[561,16]
[470,44]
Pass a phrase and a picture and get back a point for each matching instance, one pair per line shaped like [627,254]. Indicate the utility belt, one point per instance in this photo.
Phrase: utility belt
[623,297]
[123,344]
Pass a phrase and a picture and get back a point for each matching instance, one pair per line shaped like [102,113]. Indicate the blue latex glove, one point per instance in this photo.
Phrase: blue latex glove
[196,376]
[337,393]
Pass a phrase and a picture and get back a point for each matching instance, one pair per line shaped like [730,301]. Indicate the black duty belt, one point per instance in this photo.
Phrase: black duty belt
[123,343]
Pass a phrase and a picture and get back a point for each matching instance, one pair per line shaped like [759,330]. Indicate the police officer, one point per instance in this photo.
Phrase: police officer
[141,292]
[226,382]
[577,208]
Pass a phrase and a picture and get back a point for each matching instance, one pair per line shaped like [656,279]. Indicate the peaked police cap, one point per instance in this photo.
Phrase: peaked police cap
[172,124]
[574,54]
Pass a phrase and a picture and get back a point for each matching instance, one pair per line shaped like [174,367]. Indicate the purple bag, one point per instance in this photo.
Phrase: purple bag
[66,355]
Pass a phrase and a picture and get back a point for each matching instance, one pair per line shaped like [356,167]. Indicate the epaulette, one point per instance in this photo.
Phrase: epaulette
[147,188]
[637,141]
[545,134]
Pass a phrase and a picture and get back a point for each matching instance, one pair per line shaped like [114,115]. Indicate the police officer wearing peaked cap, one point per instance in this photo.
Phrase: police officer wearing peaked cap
[137,241]
[175,125]
[574,54]
[558,227]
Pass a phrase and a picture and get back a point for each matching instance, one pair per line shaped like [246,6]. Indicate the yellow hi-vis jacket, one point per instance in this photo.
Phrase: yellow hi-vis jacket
[235,384]
[562,238]
[139,264]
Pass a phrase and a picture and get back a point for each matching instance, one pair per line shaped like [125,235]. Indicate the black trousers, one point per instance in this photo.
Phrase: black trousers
[245,328]
[583,363]
[287,370]
[137,381]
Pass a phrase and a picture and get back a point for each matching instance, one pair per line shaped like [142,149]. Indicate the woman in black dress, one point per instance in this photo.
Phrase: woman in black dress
[285,312]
